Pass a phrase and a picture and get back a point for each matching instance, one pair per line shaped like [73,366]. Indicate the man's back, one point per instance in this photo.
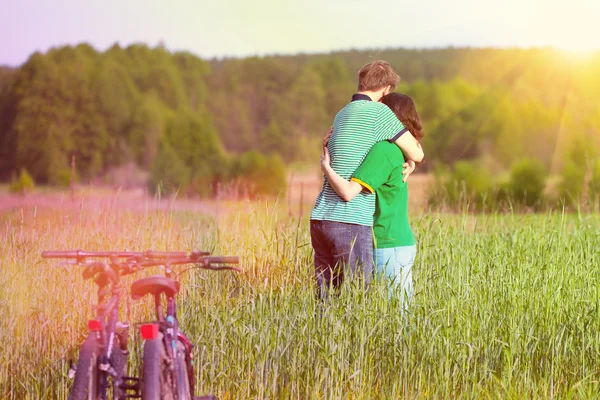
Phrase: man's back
[356,128]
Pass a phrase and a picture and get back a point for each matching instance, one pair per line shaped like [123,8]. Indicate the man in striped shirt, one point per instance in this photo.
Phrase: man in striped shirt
[341,232]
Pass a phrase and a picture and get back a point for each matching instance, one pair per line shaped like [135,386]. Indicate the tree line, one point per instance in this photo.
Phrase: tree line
[191,124]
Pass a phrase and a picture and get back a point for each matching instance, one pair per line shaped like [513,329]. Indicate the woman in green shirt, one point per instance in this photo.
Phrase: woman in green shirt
[381,173]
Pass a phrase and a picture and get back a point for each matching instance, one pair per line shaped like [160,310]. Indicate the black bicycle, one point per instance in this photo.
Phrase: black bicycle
[167,368]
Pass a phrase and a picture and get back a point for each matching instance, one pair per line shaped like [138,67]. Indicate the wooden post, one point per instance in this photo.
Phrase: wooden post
[290,182]
[301,199]
[72,180]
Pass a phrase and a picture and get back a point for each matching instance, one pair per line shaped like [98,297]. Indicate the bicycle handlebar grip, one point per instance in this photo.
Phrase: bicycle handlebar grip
[223,260]
[60,254]
[198,254]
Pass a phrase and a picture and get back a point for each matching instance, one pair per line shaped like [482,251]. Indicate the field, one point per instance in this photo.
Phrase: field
[506,306]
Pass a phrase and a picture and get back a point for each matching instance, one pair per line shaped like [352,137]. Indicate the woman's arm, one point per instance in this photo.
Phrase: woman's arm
[347,190]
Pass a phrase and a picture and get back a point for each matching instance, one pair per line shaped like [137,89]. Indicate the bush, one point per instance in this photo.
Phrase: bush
[572,180]
[61,177]
[168,172]
[258,175]
[24,184]
[467,184]
[527,182]
[471,185]
[594,185]
[272,180]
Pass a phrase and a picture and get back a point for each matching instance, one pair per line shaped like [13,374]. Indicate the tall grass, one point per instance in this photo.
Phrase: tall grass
[505,307]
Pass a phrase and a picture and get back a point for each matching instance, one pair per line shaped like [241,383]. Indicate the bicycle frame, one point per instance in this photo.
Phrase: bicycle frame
[168,324]
[174,334]
[105,329]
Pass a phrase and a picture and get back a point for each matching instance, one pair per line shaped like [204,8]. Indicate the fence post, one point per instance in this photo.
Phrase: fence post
[72,180]
[301,199]
[289,195]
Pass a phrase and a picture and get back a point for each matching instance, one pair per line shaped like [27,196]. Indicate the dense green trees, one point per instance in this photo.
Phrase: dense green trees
[7,112]
[193,124]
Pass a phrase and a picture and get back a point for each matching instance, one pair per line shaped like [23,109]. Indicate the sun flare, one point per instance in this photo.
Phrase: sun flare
[579,49]
[579,53]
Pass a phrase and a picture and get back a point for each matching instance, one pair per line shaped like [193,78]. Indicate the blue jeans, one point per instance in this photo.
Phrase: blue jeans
[341,248]
[395,264]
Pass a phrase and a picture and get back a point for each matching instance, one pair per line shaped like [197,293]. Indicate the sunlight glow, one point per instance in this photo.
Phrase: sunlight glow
[579,54]
[578,45]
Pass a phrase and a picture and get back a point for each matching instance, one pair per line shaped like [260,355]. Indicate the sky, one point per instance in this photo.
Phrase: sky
[238,28]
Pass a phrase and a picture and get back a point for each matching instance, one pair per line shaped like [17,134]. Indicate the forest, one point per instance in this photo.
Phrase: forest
[507,121]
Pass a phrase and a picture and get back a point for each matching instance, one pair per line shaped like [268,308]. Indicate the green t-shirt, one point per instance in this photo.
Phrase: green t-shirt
[356,128]
[381,173]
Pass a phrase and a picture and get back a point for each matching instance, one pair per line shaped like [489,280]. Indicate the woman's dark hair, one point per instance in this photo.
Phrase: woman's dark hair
[404,108]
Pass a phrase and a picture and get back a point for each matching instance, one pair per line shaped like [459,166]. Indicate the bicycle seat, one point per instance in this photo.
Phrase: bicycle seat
[154,285]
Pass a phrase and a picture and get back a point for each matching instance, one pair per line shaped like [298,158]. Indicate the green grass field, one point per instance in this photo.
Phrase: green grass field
[505,307]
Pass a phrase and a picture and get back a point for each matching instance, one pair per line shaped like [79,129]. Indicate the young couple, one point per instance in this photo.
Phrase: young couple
[373,147]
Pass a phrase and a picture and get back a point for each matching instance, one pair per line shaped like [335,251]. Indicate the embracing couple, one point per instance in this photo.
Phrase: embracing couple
[359,224]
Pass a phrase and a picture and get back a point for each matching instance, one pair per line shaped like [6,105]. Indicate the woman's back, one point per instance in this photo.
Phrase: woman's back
[382,173]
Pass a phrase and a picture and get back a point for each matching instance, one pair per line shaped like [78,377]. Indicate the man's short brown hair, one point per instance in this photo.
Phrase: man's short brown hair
[376,75]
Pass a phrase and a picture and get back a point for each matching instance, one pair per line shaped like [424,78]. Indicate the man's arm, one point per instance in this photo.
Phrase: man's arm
[410,147]
[389,127]
[347,190]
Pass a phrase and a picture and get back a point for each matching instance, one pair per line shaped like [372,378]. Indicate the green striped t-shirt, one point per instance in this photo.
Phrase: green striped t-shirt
[356,128]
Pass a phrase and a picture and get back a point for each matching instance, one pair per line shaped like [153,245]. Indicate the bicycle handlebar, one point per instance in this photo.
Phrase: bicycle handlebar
[60,254]
[119,254]
[134,261]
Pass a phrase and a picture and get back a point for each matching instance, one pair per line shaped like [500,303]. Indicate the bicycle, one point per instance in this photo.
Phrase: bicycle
[103,355]
[167,356]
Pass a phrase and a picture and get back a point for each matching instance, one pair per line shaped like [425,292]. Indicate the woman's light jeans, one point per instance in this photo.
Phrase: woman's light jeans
[395,264]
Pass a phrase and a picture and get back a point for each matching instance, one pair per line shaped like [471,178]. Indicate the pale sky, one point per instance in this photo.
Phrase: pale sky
[257,27]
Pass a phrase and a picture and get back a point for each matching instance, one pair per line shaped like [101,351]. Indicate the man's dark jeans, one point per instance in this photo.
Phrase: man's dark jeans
[339,248]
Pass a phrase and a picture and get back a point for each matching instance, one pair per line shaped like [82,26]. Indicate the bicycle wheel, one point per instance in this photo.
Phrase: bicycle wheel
[118,360]
[85,383]
[157,381]
[183,381]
